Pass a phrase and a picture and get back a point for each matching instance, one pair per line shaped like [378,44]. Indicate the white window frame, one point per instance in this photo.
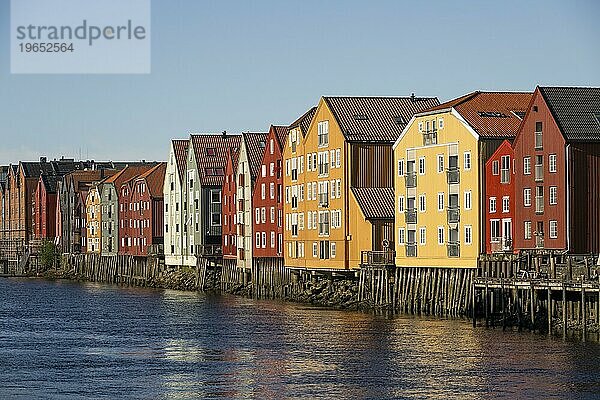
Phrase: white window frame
[527,197]
[422,169]
[493,205]
[441,235]
[467,160]
[468,234]
[553,229]
[468,200]
[552,158]
[440,163]
[440,200]
[422,236]
[553,195]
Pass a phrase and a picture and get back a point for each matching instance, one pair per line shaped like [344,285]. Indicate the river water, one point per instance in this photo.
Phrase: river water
[67,340]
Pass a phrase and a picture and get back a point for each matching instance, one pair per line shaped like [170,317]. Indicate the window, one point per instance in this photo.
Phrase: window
[263,215]
[467,160]
[272,190]
[272,215]
[505,204]
[538,135]
[422,203]
[315,249]
[440,163]
[257,240]
[441,232]
[338,162]
[264,170]
[401,204]
[495,167]
[527,233]
[333,250]
[441,201]
[553,229]
[553,195]
[495,230]
[505,171]
[215,219]
[468,200]
[211,151]
[552,163]
[215,196]
[401,167]
[441,123]
[257,215]
[263,191]
[264,240]
[323,132]
[468,234]
[422,236]
[527,197]
[422,166]
[492,204]
[401,236]
[420,126]
[527,165]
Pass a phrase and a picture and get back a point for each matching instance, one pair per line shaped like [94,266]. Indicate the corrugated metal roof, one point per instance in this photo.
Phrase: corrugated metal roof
[490,114]
[180,147]
[576,111]
[256,143]
[304,121]
[376,119]
[155,178]
[375,203]
[211,153]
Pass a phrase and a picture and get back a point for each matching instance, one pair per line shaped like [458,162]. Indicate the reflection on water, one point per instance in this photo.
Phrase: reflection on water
[66,340]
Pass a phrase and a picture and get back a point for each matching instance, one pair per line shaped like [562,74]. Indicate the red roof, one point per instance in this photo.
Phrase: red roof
[211,154]
[180,147]
[155,179]
[256,143]
[490,114]
[281,133]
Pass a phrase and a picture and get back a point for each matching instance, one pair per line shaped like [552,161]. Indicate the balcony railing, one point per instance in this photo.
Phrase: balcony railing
[538,141]
[411,250]
[430,138]
[453,250]
[453,215]
[539,172]
[499,245]
[410,216]
[539,241]
[385,257]
[411,179]
[539,204]
[453,175]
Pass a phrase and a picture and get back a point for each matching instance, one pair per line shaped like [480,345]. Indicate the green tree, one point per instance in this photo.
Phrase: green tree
[47,254]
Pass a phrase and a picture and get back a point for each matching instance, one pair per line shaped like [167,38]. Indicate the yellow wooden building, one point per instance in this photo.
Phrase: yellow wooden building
[338,179]
[93,209]
[440,177]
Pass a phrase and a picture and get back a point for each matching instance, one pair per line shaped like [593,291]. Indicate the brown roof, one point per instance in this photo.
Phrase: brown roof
[127,174]
[375,203]
[82,180]
[304,121]
[490,114]
[155,178]
[215,158]
[180,147]
[376,119]
[281,134]
[576,111]
[256,143]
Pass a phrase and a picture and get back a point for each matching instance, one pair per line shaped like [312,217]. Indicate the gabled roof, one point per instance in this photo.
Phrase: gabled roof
[576,110]
[155,178]
[82,180]
[256,143]
[50,182]
[180,148]
[490,114]
[376,119]
[375,203]
[127,173]
[205,159]
[280,133]
[303,122]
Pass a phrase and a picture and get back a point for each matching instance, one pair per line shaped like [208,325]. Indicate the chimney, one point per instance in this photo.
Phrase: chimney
[224,134]
[412,97]
[43,160]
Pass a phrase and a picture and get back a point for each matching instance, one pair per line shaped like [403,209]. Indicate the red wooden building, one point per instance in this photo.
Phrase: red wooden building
[500,200]
[229,210]
[557,152]
[141,216]
[44,207]
[267,196]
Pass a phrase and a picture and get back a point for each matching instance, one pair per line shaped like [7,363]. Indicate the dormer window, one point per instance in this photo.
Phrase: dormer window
[211,151]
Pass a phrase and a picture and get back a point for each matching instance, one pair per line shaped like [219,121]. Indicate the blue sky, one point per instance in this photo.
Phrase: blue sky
[242,65]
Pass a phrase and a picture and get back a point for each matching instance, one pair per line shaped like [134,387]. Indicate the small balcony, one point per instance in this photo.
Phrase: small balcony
[538,141]
[410,216]
[411,179]
[539,240]
[539,204]
[453,176]
[539,173]
[411,249]
[453,250]
[377,258]
[453,215]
